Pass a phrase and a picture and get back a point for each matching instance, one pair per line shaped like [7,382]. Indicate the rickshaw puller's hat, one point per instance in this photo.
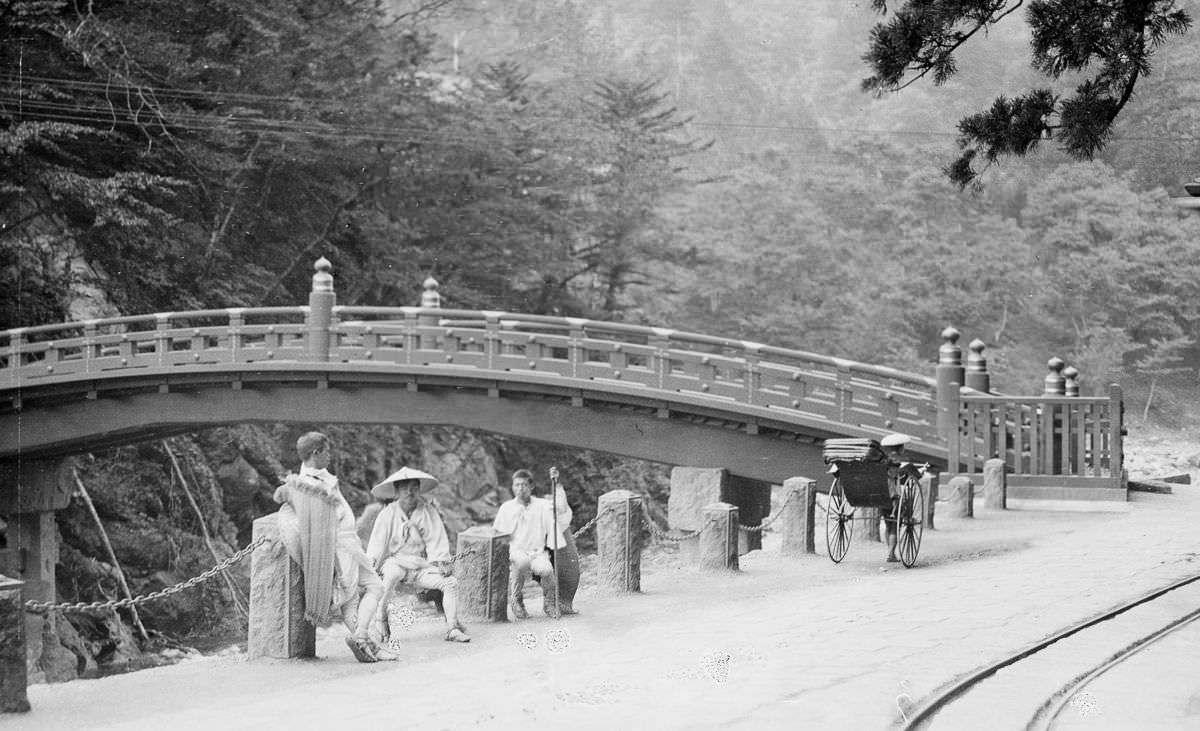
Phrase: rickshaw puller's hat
[895,440]
[386,490]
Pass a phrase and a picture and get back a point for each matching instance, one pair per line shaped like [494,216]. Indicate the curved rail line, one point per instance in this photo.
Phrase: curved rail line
[925,711]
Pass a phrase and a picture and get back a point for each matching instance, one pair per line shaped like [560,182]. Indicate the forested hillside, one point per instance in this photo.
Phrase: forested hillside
[708,165]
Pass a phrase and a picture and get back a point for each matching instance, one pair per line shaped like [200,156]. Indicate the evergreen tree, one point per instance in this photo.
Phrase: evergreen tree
[632,167]
[1109,42]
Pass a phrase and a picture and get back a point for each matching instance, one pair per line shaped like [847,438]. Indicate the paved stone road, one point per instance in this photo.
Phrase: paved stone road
[785,643]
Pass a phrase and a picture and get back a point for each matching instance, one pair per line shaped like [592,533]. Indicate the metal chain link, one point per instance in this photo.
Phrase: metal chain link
[34,606]
[662,535]
[587,526]
[462,554]
[761,526]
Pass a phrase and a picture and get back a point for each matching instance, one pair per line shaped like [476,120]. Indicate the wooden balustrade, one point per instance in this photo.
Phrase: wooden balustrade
[610,355]
[1078,440]
[1052,434]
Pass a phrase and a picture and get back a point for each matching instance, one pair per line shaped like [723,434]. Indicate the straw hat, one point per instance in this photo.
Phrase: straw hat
[895,440]
[386,490]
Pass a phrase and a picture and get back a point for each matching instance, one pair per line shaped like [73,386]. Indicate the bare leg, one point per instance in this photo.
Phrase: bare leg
[392,575]
[448,585]
[519,569]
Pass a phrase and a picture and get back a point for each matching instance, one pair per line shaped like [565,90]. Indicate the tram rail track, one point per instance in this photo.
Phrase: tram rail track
[957,695]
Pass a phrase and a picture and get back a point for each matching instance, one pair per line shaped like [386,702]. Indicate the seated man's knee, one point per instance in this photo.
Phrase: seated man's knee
[520,561]
[541,566]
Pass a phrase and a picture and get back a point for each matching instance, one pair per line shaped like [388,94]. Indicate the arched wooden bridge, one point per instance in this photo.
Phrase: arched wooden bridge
[679,398]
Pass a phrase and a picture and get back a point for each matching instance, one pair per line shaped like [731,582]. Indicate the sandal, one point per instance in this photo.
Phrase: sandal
[388,651]
[457,634]
[363,652]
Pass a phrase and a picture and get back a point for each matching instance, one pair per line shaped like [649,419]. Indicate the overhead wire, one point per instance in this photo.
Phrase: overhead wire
[311,103]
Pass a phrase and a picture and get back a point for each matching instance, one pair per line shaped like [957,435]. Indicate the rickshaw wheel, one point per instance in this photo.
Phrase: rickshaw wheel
[839,522]
[911,522]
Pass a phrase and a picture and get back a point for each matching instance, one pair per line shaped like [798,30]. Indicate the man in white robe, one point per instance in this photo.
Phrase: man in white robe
[409,544]
[316,525]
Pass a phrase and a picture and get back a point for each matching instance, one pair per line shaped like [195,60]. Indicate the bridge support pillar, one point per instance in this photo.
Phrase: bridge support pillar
[694,488]
[962,497]
[798,518]
[30,493]
[277,628]
[13,677]
[483,574]
[995,485]
[619,540]
[753,500]
[718,542]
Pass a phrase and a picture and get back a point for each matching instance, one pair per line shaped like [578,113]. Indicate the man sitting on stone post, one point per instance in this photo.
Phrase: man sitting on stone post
[409,544]
[316,526]
[530,522]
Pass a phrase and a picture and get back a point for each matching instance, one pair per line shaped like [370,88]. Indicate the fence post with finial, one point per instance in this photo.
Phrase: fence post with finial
[430,300]
[977,374]
[948,376]
[1071,381]
[320,311]
[1055,384]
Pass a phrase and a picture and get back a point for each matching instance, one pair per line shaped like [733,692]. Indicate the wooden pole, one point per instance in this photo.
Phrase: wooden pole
[233,590]
[557,552]
[87,500]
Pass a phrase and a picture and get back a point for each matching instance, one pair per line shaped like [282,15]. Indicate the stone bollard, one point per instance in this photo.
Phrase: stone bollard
[962,497]
[483,575]
[995,485]
[277,628]
[13,678]
[719,541]
[619,540]
[929,491]
[799,516]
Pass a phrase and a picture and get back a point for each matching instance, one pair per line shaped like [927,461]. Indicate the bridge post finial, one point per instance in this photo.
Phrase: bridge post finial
[320,310]
[430,299]
[948,376]
[1071,385]
[978,377]
[1055,381]
[429,294]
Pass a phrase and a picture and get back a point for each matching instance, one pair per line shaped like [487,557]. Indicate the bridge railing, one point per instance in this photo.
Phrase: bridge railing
[1077,441]
[67,351]
[632,356]
[615,356]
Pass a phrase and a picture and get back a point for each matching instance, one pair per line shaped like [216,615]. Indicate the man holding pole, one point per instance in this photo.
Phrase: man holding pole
[531,523]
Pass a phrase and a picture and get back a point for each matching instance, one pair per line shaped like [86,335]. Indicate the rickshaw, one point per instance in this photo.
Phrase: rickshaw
[860,480]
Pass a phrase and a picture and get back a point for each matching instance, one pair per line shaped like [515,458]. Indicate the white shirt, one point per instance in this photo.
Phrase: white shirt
[531,526]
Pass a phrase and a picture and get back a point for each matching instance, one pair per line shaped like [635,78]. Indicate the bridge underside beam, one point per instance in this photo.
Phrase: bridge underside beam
[644,431]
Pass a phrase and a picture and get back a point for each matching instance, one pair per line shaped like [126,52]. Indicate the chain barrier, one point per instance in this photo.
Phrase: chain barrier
[662,535]
[762,526]
[462,554]
[34,606]
[587,526]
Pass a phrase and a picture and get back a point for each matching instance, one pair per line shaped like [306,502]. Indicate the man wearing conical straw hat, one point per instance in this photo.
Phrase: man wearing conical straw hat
[409,544]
